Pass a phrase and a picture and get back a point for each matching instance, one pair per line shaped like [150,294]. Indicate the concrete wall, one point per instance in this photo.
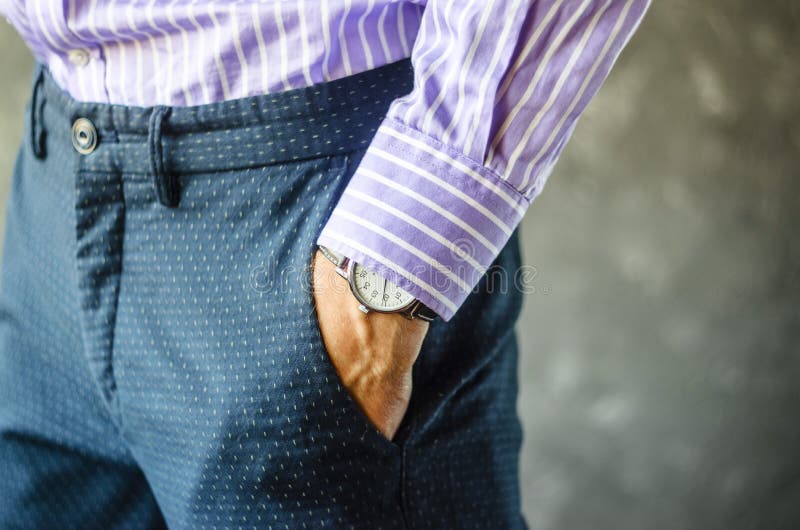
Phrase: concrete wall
[659,371]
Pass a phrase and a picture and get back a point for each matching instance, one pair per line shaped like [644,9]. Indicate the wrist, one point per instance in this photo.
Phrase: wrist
[375,292]
[373,353]
[370,336]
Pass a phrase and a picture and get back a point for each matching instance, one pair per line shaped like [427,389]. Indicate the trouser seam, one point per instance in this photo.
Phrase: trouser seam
[105,377]
[404,509]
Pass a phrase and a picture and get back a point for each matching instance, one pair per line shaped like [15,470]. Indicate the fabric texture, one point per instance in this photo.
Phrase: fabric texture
[498,88]
[161,364]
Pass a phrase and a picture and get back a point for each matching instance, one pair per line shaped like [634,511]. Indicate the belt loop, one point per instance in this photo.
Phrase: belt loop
[36,125]
[166,183]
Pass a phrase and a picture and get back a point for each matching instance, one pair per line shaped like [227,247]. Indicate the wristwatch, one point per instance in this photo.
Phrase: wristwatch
[376,293]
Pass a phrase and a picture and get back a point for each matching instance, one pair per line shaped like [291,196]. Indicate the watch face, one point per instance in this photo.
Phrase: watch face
[376,292]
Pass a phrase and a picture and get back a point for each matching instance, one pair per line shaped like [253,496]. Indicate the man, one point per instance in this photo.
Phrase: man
[165,364]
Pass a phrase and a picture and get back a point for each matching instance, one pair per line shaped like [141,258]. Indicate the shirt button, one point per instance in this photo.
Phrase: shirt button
[78,57]
[84,136]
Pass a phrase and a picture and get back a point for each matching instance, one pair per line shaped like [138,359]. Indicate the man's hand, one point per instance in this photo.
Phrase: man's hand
[373,353]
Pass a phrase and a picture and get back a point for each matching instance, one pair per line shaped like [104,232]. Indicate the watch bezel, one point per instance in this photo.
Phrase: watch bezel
[351,268]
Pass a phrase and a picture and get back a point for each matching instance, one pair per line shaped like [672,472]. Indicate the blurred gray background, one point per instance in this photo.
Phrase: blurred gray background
[659,367]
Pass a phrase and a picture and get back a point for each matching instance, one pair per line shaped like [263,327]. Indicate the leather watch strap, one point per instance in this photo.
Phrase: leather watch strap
[424,312]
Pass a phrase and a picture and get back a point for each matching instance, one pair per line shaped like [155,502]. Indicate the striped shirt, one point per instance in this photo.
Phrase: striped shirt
[499,86]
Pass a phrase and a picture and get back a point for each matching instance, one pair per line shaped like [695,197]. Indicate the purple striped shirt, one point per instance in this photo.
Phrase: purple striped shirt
[499,86]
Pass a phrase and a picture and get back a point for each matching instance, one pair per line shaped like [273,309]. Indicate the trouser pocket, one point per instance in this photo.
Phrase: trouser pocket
[229,400]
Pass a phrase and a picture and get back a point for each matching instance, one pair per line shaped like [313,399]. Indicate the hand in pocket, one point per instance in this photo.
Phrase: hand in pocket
[373,353]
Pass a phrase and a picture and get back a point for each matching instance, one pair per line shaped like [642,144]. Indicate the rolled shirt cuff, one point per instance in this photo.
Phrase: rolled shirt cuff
[424,216]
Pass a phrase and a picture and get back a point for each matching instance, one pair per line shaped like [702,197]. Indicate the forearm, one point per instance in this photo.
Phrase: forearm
[455,164]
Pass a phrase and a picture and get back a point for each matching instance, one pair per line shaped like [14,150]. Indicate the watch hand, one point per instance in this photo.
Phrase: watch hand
[383,296]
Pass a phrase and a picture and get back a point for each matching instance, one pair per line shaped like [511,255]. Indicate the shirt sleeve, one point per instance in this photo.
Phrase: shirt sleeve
[498,88]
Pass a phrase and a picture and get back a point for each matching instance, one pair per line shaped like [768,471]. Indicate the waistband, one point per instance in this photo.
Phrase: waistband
[337,117]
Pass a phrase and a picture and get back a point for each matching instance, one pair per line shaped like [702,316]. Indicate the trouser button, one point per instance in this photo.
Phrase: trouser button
[84,136]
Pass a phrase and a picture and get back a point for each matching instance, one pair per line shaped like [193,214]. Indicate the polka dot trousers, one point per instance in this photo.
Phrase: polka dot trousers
[161,365]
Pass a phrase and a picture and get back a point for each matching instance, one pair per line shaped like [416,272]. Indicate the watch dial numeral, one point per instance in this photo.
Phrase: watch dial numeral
[376,292]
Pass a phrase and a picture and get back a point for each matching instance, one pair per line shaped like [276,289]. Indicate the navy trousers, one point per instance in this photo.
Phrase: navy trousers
[161,363]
